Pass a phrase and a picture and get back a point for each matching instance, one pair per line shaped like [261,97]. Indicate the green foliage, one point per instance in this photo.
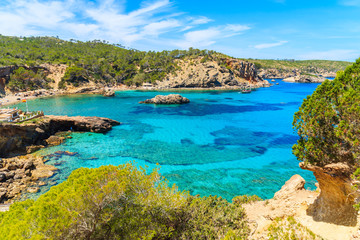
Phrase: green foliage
[27,80]
[121,203]
[328,121]
[74,75]
[245,199]
[95,60]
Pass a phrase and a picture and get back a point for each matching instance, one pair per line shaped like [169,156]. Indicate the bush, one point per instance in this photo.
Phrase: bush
[121,203]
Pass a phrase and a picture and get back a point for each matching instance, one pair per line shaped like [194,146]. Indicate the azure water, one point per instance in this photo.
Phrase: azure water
[222,143]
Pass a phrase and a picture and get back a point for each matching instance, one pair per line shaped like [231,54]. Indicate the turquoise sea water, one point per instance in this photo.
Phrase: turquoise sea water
[222,143]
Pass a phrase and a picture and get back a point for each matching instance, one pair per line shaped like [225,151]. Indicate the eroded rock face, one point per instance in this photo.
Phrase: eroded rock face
[337,195]
[210,74]
[167,99]
[23,138]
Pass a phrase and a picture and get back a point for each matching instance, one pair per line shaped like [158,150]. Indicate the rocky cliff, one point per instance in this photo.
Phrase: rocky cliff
[337,194]
[194,73]
[23,138]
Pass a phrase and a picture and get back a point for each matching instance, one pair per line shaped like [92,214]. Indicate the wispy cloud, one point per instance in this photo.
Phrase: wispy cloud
[270,45]
[108,20]
[336,54]
[209,36]
[350,3]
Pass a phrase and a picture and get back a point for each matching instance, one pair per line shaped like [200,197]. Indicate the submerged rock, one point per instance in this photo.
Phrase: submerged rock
[167,99]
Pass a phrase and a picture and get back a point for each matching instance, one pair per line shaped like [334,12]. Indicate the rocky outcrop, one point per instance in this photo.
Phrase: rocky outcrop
[337,194]
[22,173]
[108,93]
[294,184]
[305,79]
[21,138]
[227,73]
[168,99]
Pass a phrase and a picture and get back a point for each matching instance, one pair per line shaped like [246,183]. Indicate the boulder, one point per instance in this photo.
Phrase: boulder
[294,184]
[167,99]
[109,93]
[55,140]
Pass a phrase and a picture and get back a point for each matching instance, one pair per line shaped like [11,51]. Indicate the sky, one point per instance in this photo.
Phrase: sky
[263,29]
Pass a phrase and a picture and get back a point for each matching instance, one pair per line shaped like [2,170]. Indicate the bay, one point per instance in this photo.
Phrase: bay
[222,143]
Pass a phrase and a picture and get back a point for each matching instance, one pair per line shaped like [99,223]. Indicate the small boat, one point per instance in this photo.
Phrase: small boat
[273,80]
[246,89]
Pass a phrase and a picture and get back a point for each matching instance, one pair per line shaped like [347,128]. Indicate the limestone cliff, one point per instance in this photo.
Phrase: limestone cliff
[194,73]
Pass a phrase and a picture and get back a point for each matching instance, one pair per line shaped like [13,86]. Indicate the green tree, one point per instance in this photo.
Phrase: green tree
[328,121]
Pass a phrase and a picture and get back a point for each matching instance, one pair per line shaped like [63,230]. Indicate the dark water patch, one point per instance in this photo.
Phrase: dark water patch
[186,141]
[196,109]
[258,149]
[228,98]
[285,139]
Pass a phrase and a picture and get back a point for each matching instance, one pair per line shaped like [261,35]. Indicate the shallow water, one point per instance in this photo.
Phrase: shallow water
[221,143]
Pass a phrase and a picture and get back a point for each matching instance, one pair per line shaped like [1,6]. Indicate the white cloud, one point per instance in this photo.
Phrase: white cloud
[336,54]
[109,20]
[350,3]
[270,45]
[207,37]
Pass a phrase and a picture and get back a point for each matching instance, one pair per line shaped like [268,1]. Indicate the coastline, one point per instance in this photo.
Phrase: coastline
[12,99]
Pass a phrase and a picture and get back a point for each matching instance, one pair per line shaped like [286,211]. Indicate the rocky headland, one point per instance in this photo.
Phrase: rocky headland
[167,99]
[29,136]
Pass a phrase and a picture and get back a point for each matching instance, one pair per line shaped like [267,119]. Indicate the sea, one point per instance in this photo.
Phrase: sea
[223,143]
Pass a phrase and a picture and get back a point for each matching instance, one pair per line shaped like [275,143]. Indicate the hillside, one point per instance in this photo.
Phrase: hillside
[31,63]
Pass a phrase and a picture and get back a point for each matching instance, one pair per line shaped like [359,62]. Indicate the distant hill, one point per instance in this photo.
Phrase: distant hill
[269,68]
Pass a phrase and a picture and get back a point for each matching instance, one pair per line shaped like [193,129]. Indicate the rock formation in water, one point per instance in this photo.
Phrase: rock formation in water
[21,138]
[167,99]
[337,194]
[305,79]
[210,74]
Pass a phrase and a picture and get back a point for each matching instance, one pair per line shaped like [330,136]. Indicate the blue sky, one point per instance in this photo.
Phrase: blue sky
[267,29]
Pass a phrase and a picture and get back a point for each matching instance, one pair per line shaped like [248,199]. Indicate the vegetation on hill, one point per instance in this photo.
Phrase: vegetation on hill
[95,60]
[122,203]
[328,121]
[27,80]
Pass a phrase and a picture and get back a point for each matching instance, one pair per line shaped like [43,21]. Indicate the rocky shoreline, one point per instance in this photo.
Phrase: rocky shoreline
[20,170]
